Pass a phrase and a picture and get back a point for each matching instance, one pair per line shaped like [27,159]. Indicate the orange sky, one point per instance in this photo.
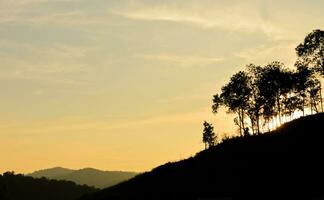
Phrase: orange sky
[126,85]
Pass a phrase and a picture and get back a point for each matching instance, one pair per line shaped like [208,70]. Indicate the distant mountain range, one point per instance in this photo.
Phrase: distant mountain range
[88,176]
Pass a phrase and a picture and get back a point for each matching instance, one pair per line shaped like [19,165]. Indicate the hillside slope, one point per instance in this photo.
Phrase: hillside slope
[88,176]
[284,164]
[19,187]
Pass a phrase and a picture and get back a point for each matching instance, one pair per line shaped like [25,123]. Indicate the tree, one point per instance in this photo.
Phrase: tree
[291,104]
[275,82]
[256,101]
[268,94]
[308,87]
[235,96]
[209,137]
[311,50]
[314,90]
[217,103]
[303,76]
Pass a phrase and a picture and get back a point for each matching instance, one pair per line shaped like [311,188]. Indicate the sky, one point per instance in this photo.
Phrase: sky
[127,84]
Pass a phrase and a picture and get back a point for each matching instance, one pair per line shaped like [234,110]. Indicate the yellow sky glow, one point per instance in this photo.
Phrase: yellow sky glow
[126,85]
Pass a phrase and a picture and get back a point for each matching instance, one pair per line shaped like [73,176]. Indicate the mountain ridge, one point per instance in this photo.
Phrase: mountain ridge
[89,176]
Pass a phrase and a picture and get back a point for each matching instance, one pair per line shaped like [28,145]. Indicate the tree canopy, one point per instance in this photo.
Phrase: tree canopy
[263,96]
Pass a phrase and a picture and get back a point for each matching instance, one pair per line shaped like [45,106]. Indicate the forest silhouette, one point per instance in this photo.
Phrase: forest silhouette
[20,187]
[266,95]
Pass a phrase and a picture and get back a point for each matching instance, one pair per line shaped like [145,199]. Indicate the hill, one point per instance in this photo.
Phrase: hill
[51,173]
[283,164]
[88,176]
[19,187]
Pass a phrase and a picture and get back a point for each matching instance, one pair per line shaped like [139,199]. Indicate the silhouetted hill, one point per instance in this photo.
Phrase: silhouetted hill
[19,187]
[284,164]
[88,176]
[51,173]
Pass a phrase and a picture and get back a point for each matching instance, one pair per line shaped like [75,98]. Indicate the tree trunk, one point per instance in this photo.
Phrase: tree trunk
[303,106]
[252,125]
[321,96]
[279,109]
[314,104]
[311,102]
[242,119]
[240,125]
[258,124]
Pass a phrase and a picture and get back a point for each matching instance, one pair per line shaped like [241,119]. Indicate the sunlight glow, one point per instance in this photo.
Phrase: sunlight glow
[274,123]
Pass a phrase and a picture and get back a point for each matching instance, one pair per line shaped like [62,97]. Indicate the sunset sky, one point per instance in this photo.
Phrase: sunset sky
[127,84]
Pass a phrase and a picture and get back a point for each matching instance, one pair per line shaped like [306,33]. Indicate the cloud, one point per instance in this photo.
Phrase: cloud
[40,11]
[183,61]
[246,17]
[43,63]
[266,53]
[9,10]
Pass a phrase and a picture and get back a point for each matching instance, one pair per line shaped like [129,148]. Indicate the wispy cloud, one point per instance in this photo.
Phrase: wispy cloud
[47,64]
[30,11]
[10,10]
[264,54]
[231,17]
[183,61]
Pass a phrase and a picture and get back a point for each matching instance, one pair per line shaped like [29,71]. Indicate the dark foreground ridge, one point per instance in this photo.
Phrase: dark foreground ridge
[284,164]
[19,187]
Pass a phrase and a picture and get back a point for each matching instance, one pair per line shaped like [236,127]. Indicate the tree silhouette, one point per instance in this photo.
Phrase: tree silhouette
[311,53]
[256,101]
[275,84]
[314,90]
[291,104]
[235,96]
[311,50]
[267,95]
[209,137]
[217,103]
[303,76]
[17,186]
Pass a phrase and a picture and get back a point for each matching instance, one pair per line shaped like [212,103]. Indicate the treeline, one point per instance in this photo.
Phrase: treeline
[262,96]
[19,187]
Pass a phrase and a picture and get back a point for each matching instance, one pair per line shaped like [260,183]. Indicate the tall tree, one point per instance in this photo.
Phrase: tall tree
[275,82]
[308,86]
[303,76]
[311,52]
[209,137]
[256,101]
[235,96]
[314,90]
[291,104]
